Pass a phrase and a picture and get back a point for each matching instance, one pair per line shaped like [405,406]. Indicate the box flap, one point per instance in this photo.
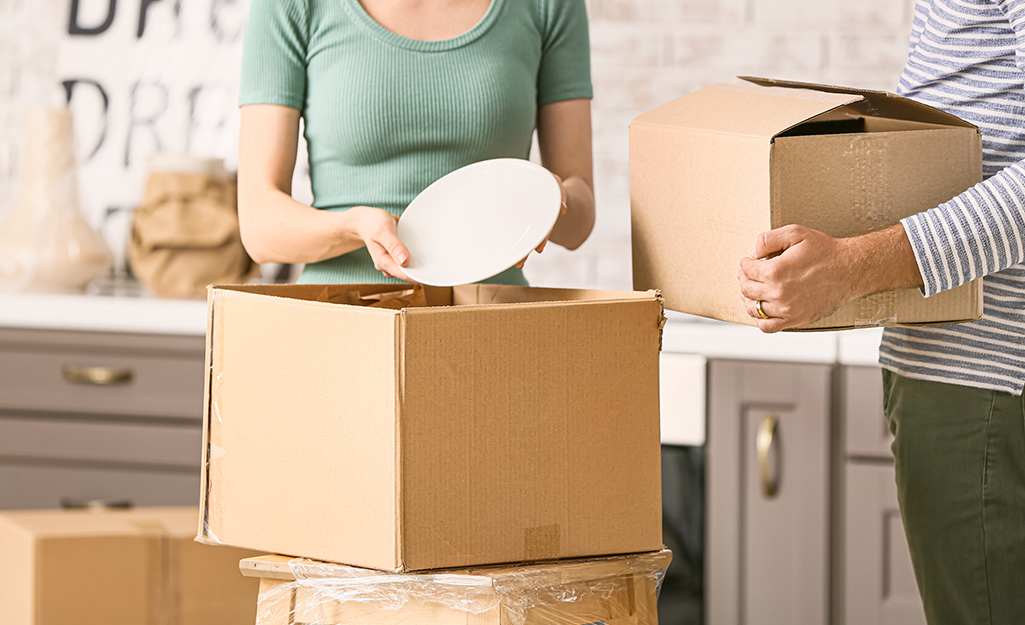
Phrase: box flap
[746,110]
[879,103]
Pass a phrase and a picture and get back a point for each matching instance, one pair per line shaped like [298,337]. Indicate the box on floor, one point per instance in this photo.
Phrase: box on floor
[712,170]
[138,567]
[429,428]
[619,590]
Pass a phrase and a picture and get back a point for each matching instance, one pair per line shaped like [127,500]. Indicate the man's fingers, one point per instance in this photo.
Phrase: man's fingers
[758,270]
[778,240]
[752,308]
[770,326]
[752,290]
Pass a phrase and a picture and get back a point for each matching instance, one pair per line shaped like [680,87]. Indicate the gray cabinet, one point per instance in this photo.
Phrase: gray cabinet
[92,416]
[879,586]
[768,536]
[873,570]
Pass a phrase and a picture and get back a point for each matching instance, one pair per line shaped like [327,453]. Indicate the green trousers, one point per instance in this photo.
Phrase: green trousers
[959,453]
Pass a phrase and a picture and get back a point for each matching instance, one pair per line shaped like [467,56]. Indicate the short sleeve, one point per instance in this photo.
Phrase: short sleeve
[565,72]
[274,53]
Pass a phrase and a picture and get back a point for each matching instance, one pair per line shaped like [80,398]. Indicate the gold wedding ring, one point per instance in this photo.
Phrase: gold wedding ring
[761,313]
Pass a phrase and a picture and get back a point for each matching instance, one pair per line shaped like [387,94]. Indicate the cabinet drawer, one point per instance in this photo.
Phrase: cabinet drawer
[45,486]
[865,430]
[136,443]
[164,383]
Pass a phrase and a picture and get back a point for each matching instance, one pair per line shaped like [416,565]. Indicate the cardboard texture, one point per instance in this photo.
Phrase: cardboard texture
[130,567]
[615,591]
[712,170]
[488,424]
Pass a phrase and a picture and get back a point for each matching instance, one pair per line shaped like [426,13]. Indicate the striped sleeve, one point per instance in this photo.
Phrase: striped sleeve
[981,231]
[977,233]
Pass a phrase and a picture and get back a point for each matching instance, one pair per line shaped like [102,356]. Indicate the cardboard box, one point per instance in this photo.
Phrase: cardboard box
[441,427]
[614,591]
[118,567]
[712,170]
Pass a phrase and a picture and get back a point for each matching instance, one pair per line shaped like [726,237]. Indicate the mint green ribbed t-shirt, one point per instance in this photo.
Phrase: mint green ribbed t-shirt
[385,116]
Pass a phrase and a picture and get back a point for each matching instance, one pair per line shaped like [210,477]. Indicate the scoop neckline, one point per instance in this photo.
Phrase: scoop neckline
[360,15]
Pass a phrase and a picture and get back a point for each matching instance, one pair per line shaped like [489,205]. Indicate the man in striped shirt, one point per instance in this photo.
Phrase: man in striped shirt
[953,393]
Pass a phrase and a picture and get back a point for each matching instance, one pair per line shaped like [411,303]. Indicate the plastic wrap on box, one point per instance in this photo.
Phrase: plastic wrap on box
[619,590]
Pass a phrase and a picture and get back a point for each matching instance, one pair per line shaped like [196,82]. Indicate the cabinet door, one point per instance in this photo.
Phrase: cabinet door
[879,582]
[865,432]
[768,553]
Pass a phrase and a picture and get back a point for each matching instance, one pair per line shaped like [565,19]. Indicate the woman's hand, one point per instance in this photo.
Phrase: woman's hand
[376,227]
[562,211]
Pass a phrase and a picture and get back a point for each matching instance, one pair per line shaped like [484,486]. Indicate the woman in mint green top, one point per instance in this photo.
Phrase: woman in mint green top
[394,94]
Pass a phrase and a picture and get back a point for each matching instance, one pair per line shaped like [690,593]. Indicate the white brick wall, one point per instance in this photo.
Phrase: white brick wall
[645,53]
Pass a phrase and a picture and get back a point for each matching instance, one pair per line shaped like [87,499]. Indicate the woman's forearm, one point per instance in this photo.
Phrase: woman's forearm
[282,230]
[575,226]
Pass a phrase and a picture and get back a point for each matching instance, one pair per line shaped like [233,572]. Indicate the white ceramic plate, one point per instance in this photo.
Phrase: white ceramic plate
[478,221]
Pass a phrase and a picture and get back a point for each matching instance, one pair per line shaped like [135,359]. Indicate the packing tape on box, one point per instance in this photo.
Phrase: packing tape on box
[216,452]
[876,310]
[542,542]
[162,596]
[662,319]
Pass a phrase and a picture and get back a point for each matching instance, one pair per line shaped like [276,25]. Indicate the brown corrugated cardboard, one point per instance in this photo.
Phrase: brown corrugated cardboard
[119,566]
[495,424]
[615,591]
[712,170]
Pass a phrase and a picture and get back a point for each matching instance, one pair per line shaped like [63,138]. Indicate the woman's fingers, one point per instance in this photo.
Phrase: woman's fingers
[390,242]
[384,262]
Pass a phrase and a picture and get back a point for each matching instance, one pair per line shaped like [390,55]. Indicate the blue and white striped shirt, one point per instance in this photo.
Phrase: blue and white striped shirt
[967,57]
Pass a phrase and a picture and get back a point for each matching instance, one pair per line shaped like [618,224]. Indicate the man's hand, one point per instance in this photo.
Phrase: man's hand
[800,275]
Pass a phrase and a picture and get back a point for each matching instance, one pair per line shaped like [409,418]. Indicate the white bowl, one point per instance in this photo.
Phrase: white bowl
[478,221]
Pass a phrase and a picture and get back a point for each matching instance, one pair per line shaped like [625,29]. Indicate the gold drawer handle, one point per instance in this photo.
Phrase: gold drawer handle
[99,376]
[763,443]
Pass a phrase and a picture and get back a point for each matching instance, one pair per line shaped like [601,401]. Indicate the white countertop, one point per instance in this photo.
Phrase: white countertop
[103,313]
[684,334]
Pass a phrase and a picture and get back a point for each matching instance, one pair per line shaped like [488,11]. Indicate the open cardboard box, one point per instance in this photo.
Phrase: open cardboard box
[615,591]
[141,566]
[712,170]
[402,429]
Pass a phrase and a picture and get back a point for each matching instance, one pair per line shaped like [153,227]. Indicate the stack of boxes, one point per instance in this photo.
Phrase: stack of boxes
[491,453]
[115,566]
[477,452]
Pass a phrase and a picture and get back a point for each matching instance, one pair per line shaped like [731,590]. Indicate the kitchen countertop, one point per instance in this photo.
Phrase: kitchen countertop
[103,313]
[683,334]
